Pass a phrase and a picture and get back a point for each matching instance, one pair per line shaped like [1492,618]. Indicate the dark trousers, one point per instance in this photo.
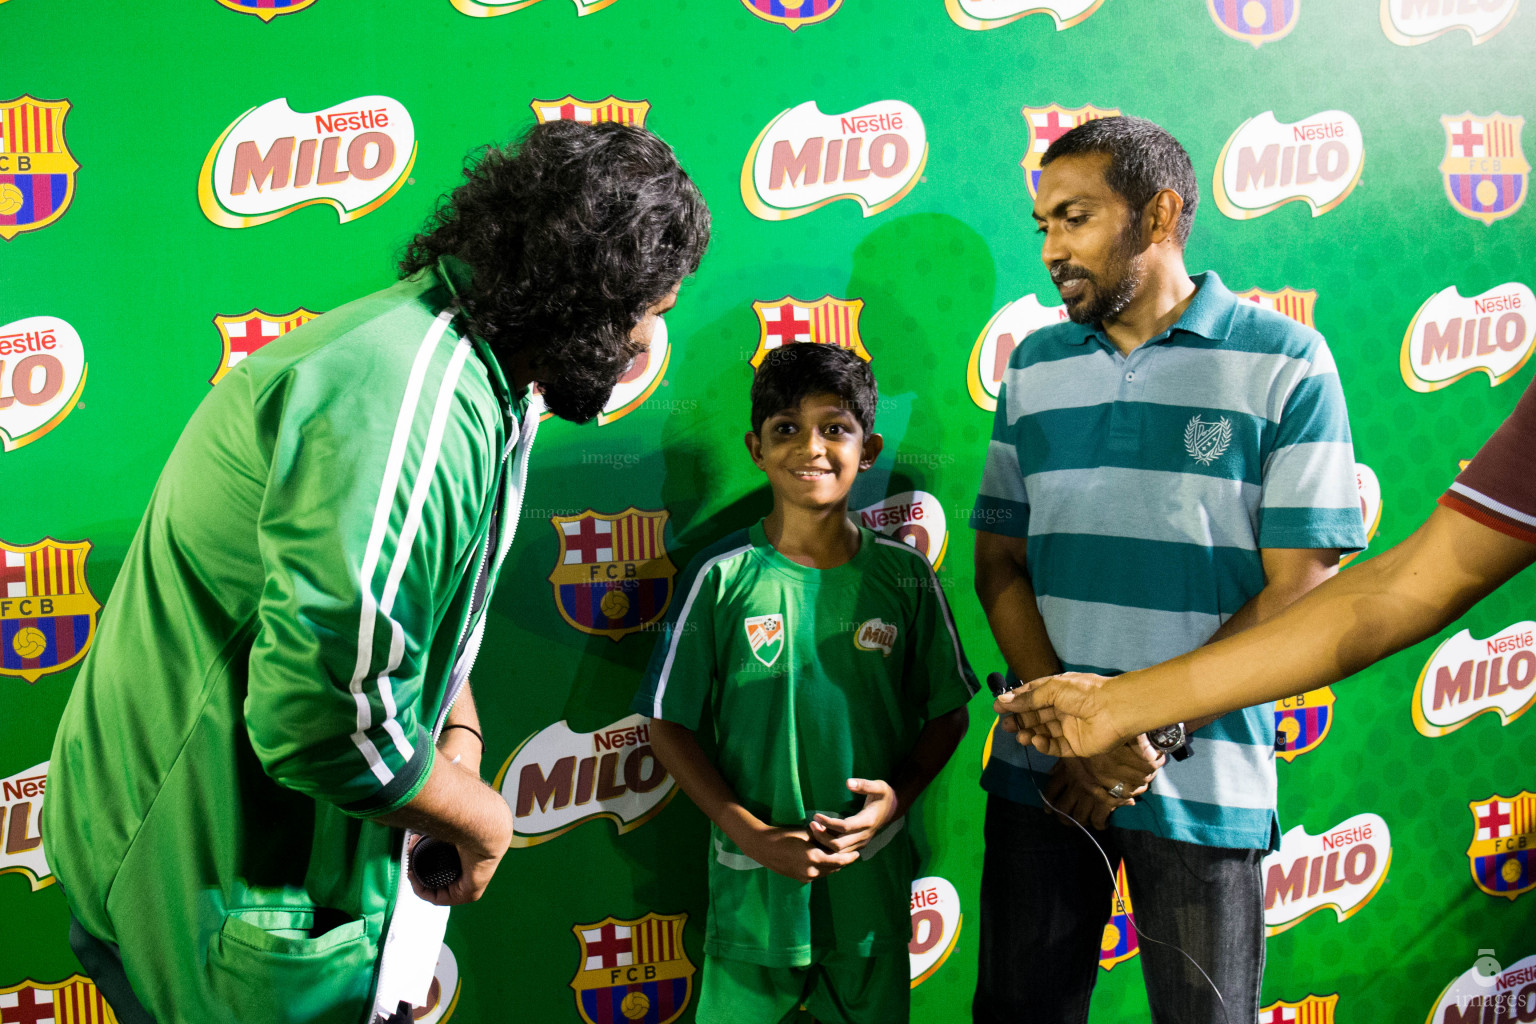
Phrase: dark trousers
[104,966]
[1045,898]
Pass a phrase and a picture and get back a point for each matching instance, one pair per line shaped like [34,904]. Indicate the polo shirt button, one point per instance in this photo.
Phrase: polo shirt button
[1131,375]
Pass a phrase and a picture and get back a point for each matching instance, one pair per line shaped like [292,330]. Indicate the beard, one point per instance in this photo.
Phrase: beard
[579,393]
[1111,290]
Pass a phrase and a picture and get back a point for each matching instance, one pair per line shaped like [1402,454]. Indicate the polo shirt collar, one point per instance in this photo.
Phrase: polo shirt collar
[1209,315]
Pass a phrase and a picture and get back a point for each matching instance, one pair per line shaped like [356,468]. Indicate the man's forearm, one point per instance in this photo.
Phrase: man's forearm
[1008,599]
[457,807]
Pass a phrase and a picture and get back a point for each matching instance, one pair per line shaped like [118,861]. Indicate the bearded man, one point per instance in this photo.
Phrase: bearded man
[1170,467]
[279,684]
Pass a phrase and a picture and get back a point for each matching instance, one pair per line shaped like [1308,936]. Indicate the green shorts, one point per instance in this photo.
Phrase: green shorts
[837,989]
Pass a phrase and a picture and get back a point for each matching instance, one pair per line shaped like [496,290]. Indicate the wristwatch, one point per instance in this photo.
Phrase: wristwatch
[1172,740]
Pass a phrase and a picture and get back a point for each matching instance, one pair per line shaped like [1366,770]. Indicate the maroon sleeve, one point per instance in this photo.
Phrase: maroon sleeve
[1498,487]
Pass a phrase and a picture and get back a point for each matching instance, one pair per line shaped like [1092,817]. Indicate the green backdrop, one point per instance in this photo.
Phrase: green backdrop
[136,266]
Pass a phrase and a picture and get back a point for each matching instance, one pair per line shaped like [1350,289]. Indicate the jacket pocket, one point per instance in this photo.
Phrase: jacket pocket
[265,963]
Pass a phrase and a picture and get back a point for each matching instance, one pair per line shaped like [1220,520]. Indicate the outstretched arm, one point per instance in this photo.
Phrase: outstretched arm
[1377,608]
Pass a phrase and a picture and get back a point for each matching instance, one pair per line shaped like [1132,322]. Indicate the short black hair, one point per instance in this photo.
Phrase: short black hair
[572,233]
[1143,160]
[792,373]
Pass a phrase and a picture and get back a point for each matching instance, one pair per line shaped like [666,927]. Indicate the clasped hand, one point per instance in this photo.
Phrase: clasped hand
[1080,787]
[826,844]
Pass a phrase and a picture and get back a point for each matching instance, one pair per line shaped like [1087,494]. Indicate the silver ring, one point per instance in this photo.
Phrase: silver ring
[1117,790]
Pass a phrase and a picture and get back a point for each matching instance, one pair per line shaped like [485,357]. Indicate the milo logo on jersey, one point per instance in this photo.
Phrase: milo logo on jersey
[1046,125]
[994,346]
[1370,506]
[1411,22]
[272,160]
[793,13]
[558,778]
[936,920]
[1292,302]
[569,108]
[915,518]
[633,970]
[266,10]
[47,610]
[1311,1010]
[1452,336]
[1466,677]
[1267,163]
[37,172]
[21,843]
[1342,869]
[1487,993]
[980,15]
[805,159]
[1119,942]
[613,576]
[1302,723]
[42,373]
[75,1000]
[475,9]
[443,994]
[246,332]
[1503,850]
[823,321]
[1255,21]
[1484,168]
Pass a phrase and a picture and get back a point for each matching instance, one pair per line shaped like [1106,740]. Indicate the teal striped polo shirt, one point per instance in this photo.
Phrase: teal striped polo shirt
[1145,486]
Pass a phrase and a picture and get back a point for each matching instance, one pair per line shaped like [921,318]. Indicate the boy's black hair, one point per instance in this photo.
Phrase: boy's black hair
[790,374]
[1143,160]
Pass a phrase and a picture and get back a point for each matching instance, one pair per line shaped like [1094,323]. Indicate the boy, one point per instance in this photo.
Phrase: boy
[820,664]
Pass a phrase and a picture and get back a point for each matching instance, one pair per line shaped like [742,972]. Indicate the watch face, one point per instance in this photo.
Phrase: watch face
[1168,737]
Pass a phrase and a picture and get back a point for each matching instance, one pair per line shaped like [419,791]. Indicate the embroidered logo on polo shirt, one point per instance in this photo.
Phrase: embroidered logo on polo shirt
[1206,442]
[766,635]
[876,635]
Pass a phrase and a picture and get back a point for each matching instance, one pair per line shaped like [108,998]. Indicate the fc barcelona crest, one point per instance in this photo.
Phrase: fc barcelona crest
[569,108]
[1046,125]
[633,970]
[1255,21]
[1302,723]
[37,172]
[793,13]
[823,321]
[1484,168]
[47,611]
[248,332]
[76,998]
[266,10]
[1311,1010]
[613,576]
[1119,943]
[1293,302]
[1503,841]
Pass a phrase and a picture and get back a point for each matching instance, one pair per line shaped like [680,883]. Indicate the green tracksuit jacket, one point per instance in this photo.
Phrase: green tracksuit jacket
[276,656]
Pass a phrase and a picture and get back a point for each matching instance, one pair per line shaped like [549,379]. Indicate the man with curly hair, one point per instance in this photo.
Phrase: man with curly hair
[278,688]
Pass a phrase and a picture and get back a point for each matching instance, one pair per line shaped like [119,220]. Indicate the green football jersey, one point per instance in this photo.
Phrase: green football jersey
[796,680]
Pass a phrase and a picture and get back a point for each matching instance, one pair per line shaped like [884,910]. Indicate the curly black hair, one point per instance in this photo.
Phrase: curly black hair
[571,233]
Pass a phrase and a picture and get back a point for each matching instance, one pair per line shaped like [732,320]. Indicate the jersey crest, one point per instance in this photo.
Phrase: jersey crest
[1120,942]
[1484,169]
[1207,442]
[75,1000]
[1046,125]
[1292,302]
[765,634]
[569,108]
[37,172]
[266,10]
[247,332]
[1302,723]
[21,808]
[632,970]
[47,610]
[42,373]
[823,321]
[793,13]
[613,576]
[1311,1010]
[1255,21]
[1503,838]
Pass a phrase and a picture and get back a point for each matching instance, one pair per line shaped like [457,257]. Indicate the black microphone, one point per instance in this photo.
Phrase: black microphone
[997,684]
[435,863]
